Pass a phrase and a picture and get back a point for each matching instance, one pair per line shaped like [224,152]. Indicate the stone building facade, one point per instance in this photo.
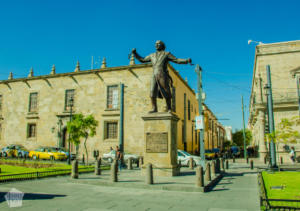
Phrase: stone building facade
[284,61]
[35,110]
[214,135]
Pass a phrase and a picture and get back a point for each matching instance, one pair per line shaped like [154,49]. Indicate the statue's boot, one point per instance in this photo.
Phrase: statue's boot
[154,105]
[168,101]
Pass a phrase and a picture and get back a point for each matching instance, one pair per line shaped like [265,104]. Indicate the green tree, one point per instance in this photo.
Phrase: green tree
[227,144]
[82,127]
[238,138]
[285,132]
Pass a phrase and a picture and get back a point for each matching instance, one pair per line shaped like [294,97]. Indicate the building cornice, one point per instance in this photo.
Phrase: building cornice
[81,72]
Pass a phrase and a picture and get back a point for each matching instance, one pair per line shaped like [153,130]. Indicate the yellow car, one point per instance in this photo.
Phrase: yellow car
[209,154]
[47,153]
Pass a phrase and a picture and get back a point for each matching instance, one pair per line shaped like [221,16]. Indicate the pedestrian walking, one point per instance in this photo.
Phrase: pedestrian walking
[119,157]
[292,154]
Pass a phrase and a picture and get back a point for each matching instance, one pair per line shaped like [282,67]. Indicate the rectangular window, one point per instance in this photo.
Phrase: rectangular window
[31,130]
[0,131]
[173,99]
[0,103]
[111,130]
[189,110]
[69,99]
[113,97]
[33,102]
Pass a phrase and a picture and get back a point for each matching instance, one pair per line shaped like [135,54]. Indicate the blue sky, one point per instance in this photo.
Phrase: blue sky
[213,33]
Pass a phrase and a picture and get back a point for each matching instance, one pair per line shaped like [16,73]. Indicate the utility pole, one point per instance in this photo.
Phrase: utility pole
[244,135]
[198,70]
[271,117]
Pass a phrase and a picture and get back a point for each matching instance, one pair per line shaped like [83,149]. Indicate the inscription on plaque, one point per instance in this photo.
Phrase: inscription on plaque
[156,142]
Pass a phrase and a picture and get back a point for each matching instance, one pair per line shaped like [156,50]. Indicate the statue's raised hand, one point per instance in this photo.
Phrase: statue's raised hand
[133,51]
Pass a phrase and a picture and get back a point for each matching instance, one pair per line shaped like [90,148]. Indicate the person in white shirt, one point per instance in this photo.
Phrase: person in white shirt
[292,154]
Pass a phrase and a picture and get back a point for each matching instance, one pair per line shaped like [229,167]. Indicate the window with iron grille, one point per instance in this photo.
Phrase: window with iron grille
[33,102]
[111,130]
[31,130]
[68,96]
[189,110]
[113,97]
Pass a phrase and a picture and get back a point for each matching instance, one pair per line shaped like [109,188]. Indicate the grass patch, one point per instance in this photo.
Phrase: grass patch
[34,169]
[290,183]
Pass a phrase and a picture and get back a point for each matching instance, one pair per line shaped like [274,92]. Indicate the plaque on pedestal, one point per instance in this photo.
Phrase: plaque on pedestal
[160,143]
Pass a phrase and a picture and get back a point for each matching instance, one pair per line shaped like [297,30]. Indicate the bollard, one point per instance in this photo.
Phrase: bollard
[251,164]
[247,160]
[141,161]
[227,165]
[281,160]
[83,159]
[213,169]
[114,171]
[207,172]
[218,166]
[179,164]
[222,164]
[265,159]
[74,173]
[233,159]
[129,166]
[97,166]
[199,177]
[191,163]
[149,174]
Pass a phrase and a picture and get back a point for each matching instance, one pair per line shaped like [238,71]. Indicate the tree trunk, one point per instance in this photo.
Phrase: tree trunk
[86,152]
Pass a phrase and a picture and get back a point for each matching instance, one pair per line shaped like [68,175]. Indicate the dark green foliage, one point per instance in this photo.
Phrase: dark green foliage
[238,138]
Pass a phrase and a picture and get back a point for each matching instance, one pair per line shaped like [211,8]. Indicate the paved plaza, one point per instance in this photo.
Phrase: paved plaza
[238,190]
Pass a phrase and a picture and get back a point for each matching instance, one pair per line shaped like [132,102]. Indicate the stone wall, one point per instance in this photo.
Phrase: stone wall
[90,98]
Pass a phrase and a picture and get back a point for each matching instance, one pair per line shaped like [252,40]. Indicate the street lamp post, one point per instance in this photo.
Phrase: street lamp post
[268,88]
[198,70]
[71,106]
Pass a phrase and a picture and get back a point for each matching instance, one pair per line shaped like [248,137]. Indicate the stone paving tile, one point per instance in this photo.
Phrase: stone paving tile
[237,191]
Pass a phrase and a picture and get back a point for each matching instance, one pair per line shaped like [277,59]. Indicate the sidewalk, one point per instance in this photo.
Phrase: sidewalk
[238,190]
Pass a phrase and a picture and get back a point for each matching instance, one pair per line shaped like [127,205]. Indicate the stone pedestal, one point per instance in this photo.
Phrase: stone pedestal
[160,143]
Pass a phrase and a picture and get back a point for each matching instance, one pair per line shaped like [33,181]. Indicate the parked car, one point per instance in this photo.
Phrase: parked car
[209,154]
[47,153]
[235,151]
[63,150]
[217,152]
[112,155]
[21,151]
[184,157]
[7,151]
[14,151]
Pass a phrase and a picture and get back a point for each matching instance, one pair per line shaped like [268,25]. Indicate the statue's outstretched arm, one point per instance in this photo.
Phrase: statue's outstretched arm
[178,61]
[141,59]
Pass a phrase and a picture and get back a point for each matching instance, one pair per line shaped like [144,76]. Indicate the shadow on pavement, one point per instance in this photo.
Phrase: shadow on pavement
[219,189]
[32,196]
[188,173]
[130,181]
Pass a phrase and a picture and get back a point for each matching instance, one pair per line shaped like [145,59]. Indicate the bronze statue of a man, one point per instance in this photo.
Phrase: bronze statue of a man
[160,83]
